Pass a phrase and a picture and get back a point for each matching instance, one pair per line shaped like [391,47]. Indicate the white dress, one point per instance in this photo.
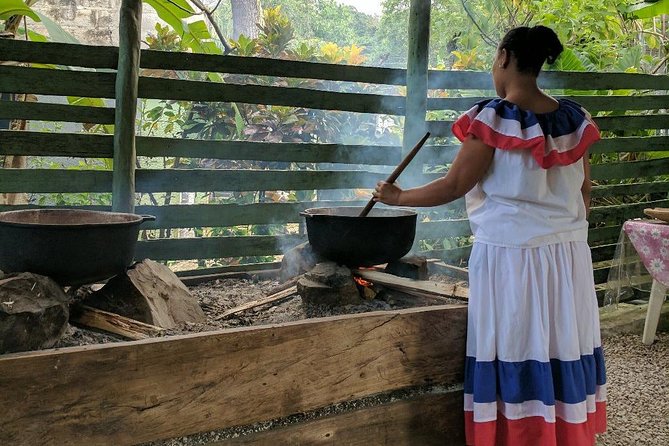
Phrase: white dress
[535,370]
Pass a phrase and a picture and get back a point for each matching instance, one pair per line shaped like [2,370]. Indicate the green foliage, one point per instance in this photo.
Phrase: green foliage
[9,8]
[194,35]
[648,9]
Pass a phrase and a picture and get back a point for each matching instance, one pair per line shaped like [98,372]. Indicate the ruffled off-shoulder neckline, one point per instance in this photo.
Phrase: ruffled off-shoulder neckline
[559,137]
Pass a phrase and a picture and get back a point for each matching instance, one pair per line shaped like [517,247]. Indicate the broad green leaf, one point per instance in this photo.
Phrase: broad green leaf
[9,8]
[649,9]
[173,12]
[56,33]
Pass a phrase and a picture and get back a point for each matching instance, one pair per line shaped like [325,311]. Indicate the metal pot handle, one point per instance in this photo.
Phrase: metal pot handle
[306,214]
[148,218]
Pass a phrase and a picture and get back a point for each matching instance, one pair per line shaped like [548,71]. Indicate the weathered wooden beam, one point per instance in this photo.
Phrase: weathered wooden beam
[125,157]
[40,111]
[630,169]
[186,90]
[78,55]
[451,80]
[631,144]
[425,420]
[591,103]
[29,143]
[260,66]
[57,82]
[629,122]
[611,190]
[410,285]
[267,151]
[135,392]
[217,247]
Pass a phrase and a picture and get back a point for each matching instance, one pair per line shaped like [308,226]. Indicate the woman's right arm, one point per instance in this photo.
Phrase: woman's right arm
[470,165]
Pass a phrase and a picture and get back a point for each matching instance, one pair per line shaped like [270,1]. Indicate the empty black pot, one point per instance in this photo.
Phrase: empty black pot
[340,235]
[73,247]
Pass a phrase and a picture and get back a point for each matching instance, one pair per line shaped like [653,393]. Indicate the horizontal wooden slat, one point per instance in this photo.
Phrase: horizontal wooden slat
[230,269]
[207,215]
[453,256]
[37,111]
[443,229]
[271,67]
[630,122]
[216,247]
[604,235]
[192,180]
[155,88]
[631,144]
[611,190]
[57,82]
[623,212]
[631,169]
[54,180]
[450,80]
[267,151]
[86,145]
[135,392]
[426,420]
[603,252]
[633,122]
[90,56]
[149,180]
[591,103]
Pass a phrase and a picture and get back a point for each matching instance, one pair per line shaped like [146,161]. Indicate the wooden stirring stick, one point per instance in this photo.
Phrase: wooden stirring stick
[398,170]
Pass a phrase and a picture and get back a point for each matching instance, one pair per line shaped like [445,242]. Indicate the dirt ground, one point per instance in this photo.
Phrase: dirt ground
[223,294]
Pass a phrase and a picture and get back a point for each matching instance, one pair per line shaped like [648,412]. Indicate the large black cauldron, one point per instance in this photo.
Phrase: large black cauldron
[340,235]
[73,247]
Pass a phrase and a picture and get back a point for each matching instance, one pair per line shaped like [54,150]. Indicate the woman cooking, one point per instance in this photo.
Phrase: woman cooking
[534,372]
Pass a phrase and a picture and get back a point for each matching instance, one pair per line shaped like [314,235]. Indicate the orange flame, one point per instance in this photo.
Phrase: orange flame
[362,282]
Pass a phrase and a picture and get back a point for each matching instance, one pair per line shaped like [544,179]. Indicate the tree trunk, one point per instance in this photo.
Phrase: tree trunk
[246,16]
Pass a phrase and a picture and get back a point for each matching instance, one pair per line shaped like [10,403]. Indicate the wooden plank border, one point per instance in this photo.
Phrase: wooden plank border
[425,420]
[133,392]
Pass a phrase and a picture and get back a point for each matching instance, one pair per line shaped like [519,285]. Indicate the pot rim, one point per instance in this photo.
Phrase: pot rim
[323,212]
[129,218]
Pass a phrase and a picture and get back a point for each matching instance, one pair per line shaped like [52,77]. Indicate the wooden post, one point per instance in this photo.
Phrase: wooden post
[123,184]
[417,64]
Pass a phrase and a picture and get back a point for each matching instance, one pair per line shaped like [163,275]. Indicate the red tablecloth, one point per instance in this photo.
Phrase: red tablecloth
[650,239]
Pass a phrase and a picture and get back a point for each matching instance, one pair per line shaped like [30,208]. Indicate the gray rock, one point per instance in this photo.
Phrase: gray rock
[328,284]
[33,312]
[298,260]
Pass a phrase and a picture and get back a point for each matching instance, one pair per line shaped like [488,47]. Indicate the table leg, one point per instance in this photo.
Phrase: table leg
[655,302]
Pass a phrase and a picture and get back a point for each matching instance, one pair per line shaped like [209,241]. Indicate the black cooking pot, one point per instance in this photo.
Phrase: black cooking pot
[340,235]
[73,247]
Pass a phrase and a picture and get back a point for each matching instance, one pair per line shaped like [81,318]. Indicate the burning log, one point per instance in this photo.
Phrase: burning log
[417,287]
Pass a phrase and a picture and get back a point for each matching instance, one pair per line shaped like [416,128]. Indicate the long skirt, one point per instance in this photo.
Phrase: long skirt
[534,373]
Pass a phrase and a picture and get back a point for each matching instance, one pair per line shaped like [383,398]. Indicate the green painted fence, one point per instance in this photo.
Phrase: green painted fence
[635,125]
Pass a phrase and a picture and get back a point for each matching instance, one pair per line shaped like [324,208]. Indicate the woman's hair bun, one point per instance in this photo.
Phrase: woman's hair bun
[546,42]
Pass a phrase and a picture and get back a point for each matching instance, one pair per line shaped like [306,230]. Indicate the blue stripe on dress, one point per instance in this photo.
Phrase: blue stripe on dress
[569,119]
[516,382]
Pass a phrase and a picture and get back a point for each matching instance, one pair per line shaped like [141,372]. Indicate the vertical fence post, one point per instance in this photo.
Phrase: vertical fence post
[127,77]
[417,68]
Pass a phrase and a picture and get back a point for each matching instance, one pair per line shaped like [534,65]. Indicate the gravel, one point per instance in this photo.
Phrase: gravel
[638,391]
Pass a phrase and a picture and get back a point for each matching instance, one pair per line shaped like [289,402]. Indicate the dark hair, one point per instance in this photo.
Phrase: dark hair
[532,47]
